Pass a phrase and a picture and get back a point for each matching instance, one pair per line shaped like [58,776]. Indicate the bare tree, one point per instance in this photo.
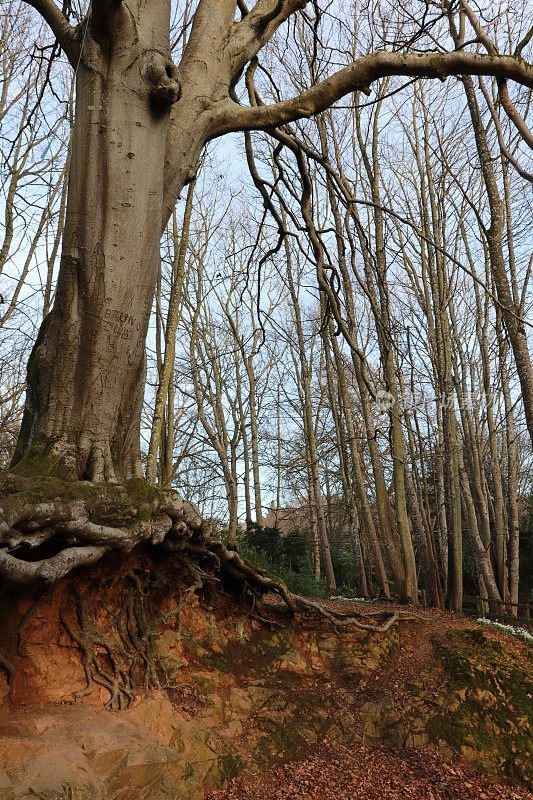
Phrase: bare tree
[141,122]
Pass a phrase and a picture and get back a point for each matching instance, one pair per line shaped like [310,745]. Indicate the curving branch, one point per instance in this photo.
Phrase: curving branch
[513,113]
[251,34]
[360,75]
[528,176]
[66,35]
[503,90]
[481,33]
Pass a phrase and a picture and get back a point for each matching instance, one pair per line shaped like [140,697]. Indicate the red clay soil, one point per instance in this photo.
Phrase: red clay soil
[331,771]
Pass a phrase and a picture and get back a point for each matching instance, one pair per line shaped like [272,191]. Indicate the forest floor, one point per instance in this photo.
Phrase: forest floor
[437,707]
[328,770]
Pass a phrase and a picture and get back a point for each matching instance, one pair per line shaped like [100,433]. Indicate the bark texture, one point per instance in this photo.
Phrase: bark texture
[86,372]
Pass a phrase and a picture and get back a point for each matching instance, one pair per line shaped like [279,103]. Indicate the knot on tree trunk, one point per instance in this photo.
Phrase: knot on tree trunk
[163,78]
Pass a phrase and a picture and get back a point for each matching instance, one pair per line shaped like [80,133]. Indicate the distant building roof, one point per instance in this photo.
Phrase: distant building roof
[289,519]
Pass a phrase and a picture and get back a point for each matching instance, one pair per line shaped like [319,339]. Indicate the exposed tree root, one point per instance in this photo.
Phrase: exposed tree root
[72,524]
[24,622]
[50,527]
[116,639]
[116,653]
[78,522]
[259,580]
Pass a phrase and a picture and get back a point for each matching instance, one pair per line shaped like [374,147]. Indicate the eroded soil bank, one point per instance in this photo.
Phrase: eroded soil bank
[203,691]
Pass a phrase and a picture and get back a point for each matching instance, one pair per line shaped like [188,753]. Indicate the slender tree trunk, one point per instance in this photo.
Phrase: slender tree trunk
[254,436]
[511,311]
[243,422]
[499,522]
[381,309]
[512,471]
[385,512]
[315,493]
[278,449]
[349,499]
[166,373]
[367,526]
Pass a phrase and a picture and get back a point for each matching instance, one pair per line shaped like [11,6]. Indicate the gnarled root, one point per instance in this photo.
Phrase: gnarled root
[49,527]
[118,656]
[260,581]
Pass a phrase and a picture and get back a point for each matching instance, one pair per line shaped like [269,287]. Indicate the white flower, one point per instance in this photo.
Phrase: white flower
[520,632]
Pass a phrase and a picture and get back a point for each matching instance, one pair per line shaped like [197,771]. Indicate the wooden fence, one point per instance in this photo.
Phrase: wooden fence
[519,614]
[516,614]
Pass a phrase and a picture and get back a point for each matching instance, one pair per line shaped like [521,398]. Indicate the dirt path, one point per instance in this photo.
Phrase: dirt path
[330,771]
[333,772]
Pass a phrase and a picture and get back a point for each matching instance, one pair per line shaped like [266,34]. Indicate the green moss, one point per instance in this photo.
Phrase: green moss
[231,765]
[257,654]
[285,737]
[490,710]
[40,462]
[189,772]
[141,491]
[205,685]
[34,481]
[356,655]
[271,646]
[282,739]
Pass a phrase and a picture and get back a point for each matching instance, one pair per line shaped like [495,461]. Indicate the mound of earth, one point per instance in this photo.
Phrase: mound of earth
[122,682]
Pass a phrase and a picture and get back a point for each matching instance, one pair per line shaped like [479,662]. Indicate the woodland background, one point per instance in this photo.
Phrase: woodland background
[330,377]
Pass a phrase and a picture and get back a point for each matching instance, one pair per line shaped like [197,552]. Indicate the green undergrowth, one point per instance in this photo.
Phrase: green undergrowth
[302,583]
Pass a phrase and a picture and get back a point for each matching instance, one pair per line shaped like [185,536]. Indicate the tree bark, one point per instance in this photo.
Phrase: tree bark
[86,371]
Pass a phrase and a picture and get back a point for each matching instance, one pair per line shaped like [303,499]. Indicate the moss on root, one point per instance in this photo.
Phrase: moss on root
[116,504]
[49,526]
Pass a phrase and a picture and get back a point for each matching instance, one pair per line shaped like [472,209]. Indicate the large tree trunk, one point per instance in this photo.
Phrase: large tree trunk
[86,372]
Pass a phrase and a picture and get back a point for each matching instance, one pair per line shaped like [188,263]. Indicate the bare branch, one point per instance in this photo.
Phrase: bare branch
[528,176]
[524,42]
[513,114]
[360,75]
[503,90]
[253,32]
[65,34]
[481,34]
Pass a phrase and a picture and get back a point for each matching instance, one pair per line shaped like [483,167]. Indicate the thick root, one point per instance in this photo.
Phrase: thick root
[48,570]
[49,527]
[259,580]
